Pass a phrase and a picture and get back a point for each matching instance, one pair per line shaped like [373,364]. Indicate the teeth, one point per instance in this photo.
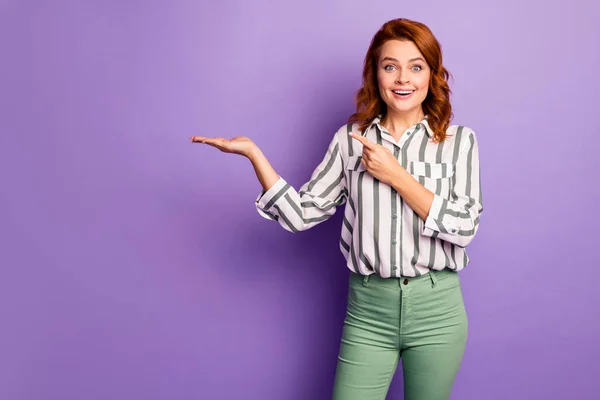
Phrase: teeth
[403,91]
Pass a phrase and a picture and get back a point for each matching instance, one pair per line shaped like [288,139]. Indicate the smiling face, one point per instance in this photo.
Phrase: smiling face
[402,77]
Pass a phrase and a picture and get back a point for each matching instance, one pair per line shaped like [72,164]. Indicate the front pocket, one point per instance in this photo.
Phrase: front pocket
[431,170]
[450,281]
[355,164]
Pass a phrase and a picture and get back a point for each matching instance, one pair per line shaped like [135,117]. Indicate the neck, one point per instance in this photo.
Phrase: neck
[397,123]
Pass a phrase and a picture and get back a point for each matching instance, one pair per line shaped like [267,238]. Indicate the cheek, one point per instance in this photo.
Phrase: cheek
[383,81]
[424,82]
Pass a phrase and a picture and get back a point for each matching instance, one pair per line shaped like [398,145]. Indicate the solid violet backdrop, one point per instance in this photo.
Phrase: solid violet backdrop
[134,265]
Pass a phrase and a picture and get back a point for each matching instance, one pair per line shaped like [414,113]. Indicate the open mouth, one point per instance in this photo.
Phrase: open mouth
[403,94]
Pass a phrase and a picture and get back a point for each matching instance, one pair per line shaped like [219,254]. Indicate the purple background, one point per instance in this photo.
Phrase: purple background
[134,265]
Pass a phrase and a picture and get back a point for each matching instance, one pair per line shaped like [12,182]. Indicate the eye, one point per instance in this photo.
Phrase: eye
[389,68]
[417,66]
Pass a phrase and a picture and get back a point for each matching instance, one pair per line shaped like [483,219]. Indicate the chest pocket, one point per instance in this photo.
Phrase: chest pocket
[434,176]
[355,172]
[431,170]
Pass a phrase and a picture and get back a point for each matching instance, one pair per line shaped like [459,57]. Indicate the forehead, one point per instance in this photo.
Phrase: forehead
[401,50]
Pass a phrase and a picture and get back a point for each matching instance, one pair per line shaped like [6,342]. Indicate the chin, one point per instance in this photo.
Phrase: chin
[404,109]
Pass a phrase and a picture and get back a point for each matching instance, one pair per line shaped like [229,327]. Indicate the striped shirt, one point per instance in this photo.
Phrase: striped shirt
[380,233]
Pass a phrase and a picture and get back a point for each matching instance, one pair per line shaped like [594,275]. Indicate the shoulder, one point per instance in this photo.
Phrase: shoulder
[463,135]
[342,136]
[345,129]
[460,130]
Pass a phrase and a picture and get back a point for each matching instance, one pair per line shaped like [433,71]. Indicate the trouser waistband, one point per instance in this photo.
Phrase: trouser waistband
[432,276]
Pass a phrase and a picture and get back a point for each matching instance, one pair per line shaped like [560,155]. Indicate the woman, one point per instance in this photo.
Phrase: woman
[411,183]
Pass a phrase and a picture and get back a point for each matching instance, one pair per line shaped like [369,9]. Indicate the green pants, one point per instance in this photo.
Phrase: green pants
[421,321]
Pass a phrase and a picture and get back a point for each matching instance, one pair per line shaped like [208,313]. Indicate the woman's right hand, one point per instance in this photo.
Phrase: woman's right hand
[238,145]
[246,147]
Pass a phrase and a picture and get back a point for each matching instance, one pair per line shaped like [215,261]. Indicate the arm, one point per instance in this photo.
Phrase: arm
[262,167]
[456,220]
[416,195]
[295,211]
[383,165]
[315,202]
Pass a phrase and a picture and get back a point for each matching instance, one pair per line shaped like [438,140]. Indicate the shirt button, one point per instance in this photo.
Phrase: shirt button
[395,268]
[405,282]
[393,242]
[394,216]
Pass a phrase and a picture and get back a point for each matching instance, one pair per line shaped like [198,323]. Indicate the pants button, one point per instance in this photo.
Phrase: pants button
[405,282]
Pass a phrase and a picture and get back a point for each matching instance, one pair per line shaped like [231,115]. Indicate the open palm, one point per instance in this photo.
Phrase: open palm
[237,145]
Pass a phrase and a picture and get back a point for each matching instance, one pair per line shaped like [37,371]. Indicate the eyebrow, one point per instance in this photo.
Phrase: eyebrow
[411,60]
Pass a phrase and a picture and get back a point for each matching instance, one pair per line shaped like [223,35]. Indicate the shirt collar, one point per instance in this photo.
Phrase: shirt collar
[424,122]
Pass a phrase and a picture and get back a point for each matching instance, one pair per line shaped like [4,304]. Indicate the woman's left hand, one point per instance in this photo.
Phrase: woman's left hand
[379,161]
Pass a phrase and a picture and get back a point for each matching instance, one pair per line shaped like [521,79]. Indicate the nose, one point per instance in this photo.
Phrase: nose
[401,77]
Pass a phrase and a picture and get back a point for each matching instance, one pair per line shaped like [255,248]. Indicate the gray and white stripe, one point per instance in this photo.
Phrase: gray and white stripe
[380,233]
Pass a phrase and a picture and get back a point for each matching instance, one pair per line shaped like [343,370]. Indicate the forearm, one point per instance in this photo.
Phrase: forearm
[455,221]
[417,197]
[262,167]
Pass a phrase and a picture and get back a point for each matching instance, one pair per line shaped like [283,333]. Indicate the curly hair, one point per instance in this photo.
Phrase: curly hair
[436,105]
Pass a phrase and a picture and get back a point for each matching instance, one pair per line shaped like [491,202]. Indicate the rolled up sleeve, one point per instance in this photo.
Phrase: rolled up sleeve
[315,202]
[456,220]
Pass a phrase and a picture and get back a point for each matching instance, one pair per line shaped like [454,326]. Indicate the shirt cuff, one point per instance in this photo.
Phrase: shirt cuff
[265,200]
[431,225]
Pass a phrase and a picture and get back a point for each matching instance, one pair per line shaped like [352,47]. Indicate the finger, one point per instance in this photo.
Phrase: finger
[366,142]
[214,141]
[217,143]
[202,139]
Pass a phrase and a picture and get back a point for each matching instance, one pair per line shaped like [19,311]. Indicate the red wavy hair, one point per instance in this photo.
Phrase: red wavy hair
[436,105]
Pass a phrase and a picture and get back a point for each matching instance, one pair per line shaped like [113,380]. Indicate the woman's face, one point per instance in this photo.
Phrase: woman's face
[402,76]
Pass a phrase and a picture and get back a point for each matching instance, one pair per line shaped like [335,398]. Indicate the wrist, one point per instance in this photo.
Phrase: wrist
[398,178]
[254,153]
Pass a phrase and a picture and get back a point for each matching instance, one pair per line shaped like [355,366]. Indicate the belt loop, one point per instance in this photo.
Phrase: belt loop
[432,277]
[366,280]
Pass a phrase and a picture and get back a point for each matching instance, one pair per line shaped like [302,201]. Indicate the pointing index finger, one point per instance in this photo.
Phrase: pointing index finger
[366,142]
